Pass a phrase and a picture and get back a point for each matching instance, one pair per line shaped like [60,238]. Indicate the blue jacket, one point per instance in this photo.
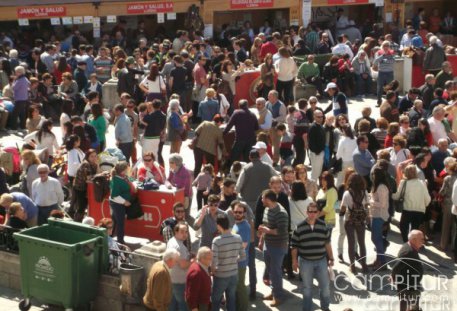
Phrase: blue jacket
[123,129]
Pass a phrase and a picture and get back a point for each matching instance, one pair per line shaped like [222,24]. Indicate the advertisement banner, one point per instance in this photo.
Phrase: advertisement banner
[149,7]
[251,4]
[343,2]
[41,11]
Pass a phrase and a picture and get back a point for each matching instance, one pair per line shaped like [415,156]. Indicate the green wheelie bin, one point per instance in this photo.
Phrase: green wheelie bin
[61,263]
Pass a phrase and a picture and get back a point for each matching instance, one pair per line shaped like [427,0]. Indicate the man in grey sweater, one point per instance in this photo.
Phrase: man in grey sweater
[123,132]
[384,62]
[227,251]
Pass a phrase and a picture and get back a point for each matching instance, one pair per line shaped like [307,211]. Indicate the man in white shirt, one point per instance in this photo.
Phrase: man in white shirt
[46,193]
[436,126]
[264,156]
[264,115]
[342,48]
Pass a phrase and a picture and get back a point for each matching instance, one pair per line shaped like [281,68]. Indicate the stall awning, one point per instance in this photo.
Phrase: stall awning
[46,2]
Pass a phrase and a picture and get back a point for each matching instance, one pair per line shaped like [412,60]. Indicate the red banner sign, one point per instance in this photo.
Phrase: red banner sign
[250,4]
[343,2]
[42,11]
[149,7]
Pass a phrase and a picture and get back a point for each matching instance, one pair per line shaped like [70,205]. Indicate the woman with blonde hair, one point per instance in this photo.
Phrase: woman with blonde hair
[255,51]
[415,200]
[30,163]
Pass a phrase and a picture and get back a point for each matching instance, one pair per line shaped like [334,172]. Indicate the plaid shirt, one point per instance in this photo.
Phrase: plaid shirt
[167,232]
[182,179]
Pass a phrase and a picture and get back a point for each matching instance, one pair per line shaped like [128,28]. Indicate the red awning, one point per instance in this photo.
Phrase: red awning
[46,2]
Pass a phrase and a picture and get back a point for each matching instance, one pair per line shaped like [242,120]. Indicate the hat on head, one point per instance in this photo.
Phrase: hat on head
[130,60]
[260,145]
[331,85]
[254,154]
[417,42]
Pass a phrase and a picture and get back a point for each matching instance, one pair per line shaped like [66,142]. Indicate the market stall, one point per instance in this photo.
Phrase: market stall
[156,205]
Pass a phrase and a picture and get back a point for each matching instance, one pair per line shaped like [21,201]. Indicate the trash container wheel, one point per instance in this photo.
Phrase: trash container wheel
[25,304]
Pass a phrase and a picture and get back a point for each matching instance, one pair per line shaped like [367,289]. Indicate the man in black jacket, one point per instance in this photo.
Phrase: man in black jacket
[316,144]
[407,271]
[427,92]
[126,79]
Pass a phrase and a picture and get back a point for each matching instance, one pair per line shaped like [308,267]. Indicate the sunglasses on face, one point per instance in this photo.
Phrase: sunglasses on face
[147,160]
[238,212]
[312,212]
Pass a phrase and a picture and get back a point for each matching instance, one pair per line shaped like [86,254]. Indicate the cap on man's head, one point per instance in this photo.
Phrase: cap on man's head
[331,85]
[260,145]
[130,60]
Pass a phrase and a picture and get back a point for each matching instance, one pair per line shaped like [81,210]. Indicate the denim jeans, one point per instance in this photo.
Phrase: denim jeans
[118,211]
[178,302]
[383,79]
[44,212]
[224,285]
[252,269]
[363,85]
[242,301]
[378,241]
[274,257]
[318,269]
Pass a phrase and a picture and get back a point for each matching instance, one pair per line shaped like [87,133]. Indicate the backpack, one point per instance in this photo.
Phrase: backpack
[358,213]
[168,222]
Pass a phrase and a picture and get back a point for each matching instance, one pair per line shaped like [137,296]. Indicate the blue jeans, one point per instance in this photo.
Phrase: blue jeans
[178,302]
[376,237]
[318,269]
[363,85]
[44,212]
[274,257]
[118,211]
[383,79]
[227,285]
[252,269]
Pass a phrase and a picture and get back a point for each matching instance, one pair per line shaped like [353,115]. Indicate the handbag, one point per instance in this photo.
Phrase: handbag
[198,93]
[398,204]
[134,211]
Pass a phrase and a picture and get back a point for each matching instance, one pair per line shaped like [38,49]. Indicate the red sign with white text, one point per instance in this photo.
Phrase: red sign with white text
[342,2]
[42,11]
[149,7]
[250,4]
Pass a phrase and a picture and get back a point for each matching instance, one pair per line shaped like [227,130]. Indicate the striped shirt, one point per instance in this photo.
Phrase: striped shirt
[310,242]
[227,251]
[276,218]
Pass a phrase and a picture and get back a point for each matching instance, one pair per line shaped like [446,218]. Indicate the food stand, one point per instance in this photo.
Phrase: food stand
[157,206]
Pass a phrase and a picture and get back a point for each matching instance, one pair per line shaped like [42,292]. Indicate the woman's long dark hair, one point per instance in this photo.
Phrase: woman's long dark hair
[96,110]
[45,130]
[62,65]
[357,187]
[379,178]
[6,67]
[298,191]
[425,123]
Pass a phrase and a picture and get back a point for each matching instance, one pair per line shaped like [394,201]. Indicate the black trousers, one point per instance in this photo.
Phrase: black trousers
[201,199]
[410,218]
[19,112]
[126,149]
[286,91]
[199,154]
[300,154]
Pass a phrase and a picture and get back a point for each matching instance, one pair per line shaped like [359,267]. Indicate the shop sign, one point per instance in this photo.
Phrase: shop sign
[149,7]
[45,11]
[343,2]
[251,4]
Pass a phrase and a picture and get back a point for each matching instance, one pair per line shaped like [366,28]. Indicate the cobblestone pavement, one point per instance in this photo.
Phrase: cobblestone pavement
[359,292]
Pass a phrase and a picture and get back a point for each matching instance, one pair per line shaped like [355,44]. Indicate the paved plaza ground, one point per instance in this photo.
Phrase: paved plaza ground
[359,292]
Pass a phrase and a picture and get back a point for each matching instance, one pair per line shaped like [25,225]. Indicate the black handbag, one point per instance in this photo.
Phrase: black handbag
[398,204]
[134,211]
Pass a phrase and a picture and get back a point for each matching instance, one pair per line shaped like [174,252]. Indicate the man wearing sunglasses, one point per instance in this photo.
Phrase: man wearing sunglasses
[169,224]
[312,252]
[206,220]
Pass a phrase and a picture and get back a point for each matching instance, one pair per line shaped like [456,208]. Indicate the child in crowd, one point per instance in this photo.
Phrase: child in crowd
[216,186]
[203,184]
[285,148]
[291,119]
[235,170]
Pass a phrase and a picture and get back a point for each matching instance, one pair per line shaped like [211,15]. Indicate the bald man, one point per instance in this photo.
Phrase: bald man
[407,271]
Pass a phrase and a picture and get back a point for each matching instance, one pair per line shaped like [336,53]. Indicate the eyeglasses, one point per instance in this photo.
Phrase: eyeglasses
[147,160]
[312,212]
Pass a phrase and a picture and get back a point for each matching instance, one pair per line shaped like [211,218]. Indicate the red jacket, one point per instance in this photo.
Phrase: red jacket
[198,286]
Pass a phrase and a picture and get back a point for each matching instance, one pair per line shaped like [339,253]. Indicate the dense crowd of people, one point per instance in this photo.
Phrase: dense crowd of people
[253,190]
